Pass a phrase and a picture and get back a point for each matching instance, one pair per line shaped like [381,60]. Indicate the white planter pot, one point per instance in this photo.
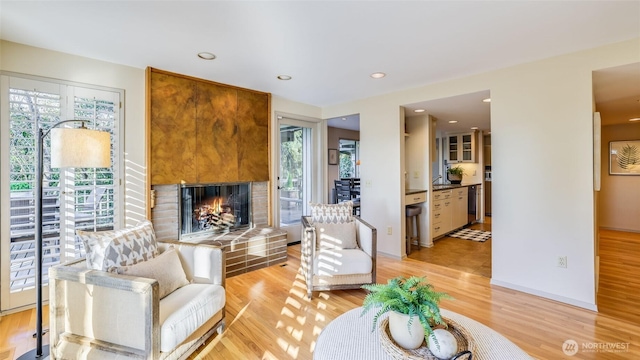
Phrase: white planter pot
[408,338]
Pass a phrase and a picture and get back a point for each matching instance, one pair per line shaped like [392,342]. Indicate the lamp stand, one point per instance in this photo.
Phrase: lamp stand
[40,351]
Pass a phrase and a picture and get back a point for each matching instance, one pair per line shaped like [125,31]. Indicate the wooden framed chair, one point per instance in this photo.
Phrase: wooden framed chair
[338,250]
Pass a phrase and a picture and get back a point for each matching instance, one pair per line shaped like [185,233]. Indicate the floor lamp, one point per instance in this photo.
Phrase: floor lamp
[70,147]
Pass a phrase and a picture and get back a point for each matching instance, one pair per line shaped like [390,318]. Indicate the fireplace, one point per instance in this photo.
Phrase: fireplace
[214,208]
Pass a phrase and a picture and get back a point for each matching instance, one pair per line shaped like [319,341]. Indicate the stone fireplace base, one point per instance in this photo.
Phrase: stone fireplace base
[251,249]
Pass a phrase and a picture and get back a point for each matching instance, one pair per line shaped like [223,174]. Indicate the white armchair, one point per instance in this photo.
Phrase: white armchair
[96,314]
[330,258]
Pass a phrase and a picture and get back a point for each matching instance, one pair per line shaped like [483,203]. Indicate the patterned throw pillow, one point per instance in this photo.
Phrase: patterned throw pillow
[332,213]
[119,247]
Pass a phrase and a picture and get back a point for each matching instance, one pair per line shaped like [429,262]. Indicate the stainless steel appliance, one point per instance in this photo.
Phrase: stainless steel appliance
[474,204]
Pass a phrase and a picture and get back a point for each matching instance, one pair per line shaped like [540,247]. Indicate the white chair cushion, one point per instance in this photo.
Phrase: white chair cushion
[183,311]
[331,262]
[336,236]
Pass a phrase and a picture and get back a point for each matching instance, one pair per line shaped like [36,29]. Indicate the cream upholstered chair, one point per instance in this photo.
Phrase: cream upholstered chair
[338,250]
[157,300]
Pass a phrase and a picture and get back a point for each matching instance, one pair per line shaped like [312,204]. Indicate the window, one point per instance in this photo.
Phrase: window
[349,158]
[72,198]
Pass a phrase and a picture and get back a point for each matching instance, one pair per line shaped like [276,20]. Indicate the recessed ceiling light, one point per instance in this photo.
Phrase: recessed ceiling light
[486,100]
[418,110]
[284,77]
[206,56]
[453,121]
[378,75]
[474,128]
[344,119]
[635,119]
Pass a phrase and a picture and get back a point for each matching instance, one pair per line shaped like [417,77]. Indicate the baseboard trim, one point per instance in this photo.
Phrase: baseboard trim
[616,229]
[562,299]
[391,255]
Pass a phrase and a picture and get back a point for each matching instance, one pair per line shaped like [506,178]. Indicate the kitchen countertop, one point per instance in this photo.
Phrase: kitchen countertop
[414,191]
[437,187]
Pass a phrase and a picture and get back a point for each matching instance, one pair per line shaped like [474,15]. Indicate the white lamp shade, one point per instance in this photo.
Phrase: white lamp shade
[80,148]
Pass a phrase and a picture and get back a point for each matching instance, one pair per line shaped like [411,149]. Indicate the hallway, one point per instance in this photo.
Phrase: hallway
[619,285]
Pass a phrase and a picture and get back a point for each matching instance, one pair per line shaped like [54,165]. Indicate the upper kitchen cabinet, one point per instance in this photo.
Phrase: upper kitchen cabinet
[461,147]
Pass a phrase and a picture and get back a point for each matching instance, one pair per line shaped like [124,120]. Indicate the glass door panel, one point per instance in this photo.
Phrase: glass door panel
[295,174]
[72,198]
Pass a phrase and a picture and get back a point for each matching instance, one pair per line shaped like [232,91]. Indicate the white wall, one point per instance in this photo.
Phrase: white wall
[29,60]
[418,166]
[541,130]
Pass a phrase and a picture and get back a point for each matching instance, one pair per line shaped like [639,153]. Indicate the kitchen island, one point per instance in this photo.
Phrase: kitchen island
[453,206]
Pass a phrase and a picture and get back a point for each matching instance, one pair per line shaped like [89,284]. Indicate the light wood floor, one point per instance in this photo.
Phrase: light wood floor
[465,255]
[619,285]
[269,316]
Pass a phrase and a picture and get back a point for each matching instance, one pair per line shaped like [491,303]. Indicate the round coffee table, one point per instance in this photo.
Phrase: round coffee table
[349,336]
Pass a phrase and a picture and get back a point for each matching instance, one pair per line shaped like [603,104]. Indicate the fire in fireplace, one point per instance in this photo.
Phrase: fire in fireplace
[214,208]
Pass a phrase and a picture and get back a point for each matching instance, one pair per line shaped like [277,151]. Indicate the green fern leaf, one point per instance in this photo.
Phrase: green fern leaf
[628,155]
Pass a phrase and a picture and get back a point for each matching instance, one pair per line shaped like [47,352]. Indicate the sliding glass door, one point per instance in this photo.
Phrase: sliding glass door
[296,172]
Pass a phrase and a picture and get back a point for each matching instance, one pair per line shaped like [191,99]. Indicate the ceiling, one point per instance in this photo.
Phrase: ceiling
[467,111]
[329,48]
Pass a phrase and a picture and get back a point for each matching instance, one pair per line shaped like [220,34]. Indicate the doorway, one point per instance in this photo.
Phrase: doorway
[459,127]
[295,174]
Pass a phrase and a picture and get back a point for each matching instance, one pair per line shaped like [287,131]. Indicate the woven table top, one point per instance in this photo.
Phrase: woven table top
[349,336]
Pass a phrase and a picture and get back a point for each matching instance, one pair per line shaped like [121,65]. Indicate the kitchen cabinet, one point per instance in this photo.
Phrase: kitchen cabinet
[449,210]
[441,212]
[460,208]
[415,197]
[487,198]
[461,148]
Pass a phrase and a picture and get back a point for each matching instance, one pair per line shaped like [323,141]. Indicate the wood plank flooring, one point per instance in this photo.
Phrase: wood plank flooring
[619,286]
[269,316]
[465,255]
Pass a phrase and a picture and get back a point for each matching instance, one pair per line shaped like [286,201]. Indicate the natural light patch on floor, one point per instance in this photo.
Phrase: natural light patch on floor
[297,309]
[290,349]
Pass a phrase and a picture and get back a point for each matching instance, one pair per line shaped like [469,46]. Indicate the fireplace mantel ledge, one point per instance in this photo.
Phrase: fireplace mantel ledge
[248,249]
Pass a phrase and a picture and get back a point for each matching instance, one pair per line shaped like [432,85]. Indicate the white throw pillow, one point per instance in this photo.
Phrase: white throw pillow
[332,213]
[166,268]
[336,236]
[122,247]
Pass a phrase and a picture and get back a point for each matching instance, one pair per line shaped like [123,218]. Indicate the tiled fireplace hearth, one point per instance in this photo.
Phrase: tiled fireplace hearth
[247,247]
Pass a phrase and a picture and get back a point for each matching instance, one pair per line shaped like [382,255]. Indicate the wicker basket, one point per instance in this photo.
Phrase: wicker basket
[397,352]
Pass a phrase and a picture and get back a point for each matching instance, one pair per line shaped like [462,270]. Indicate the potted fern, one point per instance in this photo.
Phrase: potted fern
[454,174]
[406,300]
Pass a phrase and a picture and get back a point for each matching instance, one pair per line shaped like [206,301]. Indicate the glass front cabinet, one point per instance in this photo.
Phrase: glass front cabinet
[461,147]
